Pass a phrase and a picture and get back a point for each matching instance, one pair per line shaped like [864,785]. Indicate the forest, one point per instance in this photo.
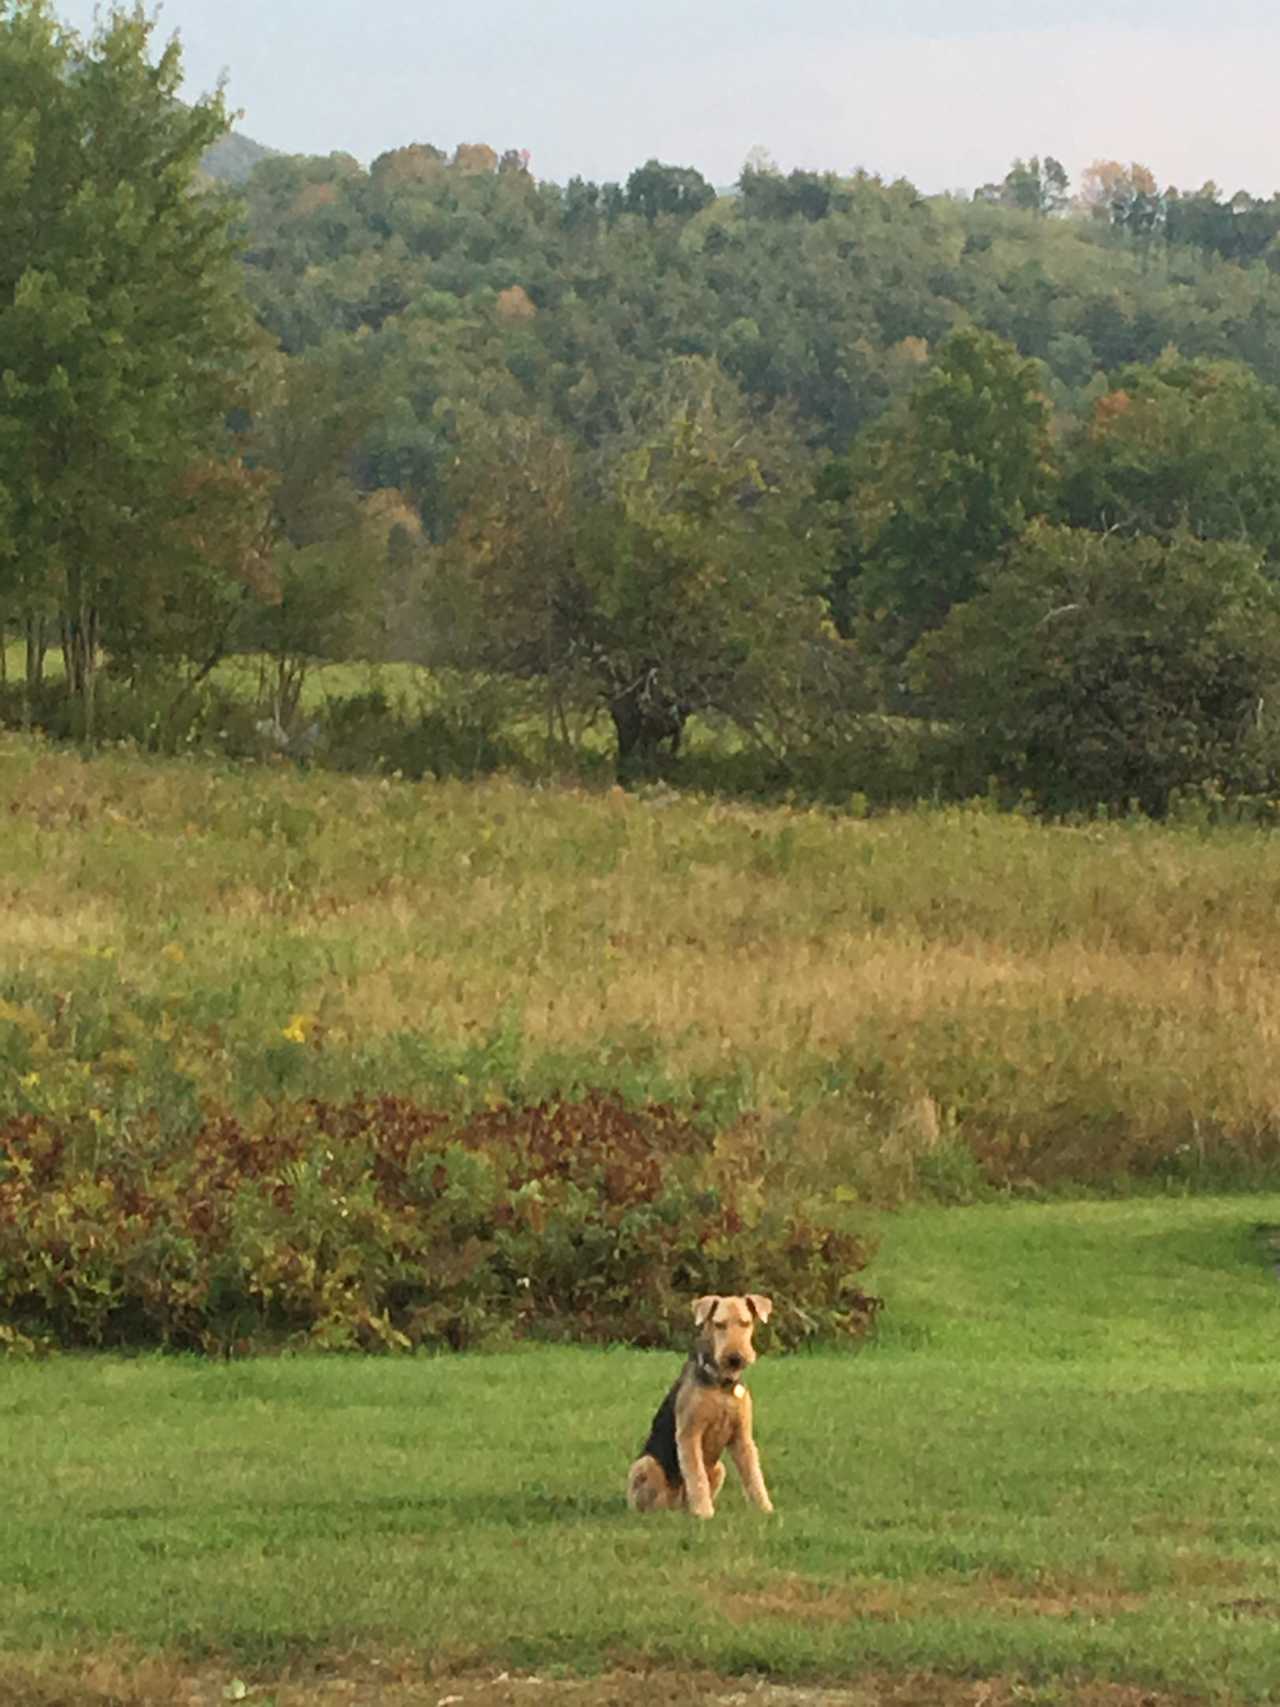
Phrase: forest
[817,485]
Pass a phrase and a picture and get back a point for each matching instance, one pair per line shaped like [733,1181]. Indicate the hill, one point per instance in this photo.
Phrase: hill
[233,159]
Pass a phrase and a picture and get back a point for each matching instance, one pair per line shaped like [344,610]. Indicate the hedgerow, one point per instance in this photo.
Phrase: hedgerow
[379,1224]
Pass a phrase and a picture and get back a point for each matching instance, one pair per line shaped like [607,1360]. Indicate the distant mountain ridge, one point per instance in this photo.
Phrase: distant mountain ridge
[232,158]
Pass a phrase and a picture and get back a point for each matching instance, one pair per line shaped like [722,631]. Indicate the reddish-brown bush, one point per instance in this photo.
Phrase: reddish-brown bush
[380,1224]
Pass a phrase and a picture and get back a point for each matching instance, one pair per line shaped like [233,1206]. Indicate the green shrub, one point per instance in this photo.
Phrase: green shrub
[156,713]
[383,1225]
[876,760]
[453,736]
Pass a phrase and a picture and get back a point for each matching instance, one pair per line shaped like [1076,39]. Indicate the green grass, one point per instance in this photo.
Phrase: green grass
[1059,1463]
[15,660]
[241,675]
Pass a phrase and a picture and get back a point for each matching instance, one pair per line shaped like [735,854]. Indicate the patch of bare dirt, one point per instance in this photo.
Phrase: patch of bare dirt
[1252,1608]
[801,1600]
[119,1681]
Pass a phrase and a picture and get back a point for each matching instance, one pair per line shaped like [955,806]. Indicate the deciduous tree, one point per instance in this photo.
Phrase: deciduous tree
[1034,185]
[654,189]
[943,484]
[325,548]
[1181,444]
[1094,669]
[704,562]
[122,319]
[1127,197]
[683,576]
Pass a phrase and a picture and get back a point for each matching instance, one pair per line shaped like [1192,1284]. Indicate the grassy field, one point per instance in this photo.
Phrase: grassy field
[1053,1478]
[919,1002]
[1057,1470]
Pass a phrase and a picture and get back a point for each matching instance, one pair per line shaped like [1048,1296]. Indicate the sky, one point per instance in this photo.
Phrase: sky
[944,92]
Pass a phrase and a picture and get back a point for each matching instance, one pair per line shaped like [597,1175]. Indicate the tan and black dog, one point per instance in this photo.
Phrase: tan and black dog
[707,1412]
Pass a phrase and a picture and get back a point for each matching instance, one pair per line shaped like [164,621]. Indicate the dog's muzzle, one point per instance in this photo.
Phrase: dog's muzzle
[727,1379]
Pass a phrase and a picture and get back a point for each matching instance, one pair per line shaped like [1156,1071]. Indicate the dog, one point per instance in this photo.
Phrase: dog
[707,1412]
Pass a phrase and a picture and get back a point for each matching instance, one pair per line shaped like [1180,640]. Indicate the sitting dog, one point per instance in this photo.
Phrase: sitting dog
[706,1412]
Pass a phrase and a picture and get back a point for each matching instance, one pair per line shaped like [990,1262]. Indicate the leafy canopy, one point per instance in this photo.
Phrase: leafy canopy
[122,321]
[1182,444]
[1094,668]
[946,482]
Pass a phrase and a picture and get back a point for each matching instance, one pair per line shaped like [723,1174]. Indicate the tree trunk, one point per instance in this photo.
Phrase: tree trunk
[35,634]
[37,638]
[80,657]
[644,719]
[291,675]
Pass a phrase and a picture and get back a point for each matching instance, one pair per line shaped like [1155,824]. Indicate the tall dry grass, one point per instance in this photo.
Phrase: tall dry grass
[915,1002]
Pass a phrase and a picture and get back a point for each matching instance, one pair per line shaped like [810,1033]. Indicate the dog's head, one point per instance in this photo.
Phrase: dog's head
[725,1327]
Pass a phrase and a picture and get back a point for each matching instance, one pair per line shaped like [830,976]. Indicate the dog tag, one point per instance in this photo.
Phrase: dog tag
[739,1392]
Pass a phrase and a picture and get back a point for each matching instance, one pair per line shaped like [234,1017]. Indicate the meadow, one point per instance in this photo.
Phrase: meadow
[1035,1064]
[1052,1479]
[933,1001]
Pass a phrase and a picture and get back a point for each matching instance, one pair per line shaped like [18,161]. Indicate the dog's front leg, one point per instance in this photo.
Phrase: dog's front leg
[747,1459]
[694,1470]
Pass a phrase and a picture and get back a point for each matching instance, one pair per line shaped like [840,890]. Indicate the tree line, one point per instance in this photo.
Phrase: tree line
[814,458]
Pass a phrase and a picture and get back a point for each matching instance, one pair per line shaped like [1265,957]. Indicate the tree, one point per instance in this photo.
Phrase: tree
[188,594]
[1241,229]
[1126,197]
[654,189]
[1178,445]
[502,595]
[702,564]
[1094,669]
[1035,186]
[766,194]
[943,484]
[325,549]
[122,321]
[684,577]
[475,158]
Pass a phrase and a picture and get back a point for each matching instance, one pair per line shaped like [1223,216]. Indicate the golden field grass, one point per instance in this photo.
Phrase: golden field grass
[892,997]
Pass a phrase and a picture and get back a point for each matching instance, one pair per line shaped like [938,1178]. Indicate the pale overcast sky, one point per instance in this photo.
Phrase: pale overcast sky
[944,92]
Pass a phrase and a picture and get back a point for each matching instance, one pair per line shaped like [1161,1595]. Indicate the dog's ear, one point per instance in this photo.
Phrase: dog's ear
[702,1308]
[761,1306]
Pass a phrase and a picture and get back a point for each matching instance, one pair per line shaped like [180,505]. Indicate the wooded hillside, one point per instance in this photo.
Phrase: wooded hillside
[770,458]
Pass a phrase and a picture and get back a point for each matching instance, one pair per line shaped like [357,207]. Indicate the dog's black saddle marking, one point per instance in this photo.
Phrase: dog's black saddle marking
[661,1443]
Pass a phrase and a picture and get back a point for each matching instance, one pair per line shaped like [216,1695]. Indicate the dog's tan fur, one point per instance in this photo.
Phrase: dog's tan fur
[713,1415]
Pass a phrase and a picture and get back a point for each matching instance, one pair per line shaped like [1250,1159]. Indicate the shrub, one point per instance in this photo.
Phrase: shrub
[452,734]
[380,1224]
[879,761]
[156,712]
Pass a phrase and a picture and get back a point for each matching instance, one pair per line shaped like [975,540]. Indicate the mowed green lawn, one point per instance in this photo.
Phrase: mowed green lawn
[1058,1465]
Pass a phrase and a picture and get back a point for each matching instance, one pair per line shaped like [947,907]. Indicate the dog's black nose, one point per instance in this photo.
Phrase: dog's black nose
[734,1360]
